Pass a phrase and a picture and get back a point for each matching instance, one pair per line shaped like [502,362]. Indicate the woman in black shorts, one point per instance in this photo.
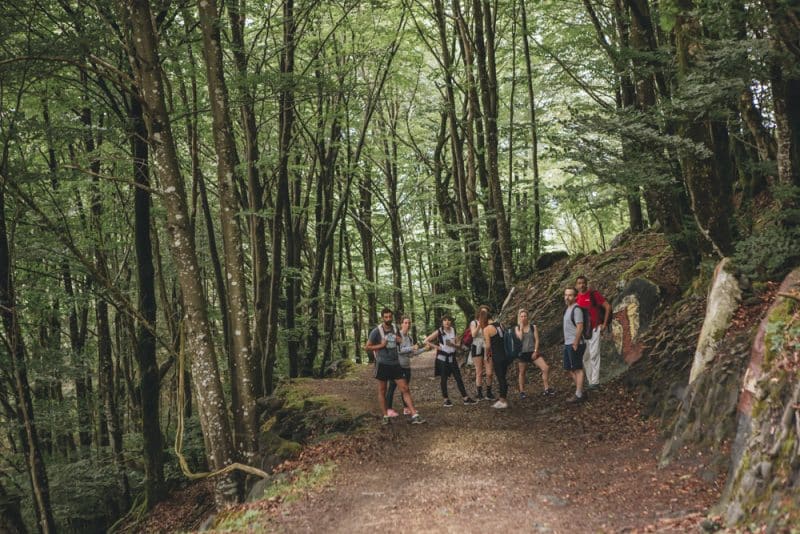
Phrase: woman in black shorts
[529,353]
[496,354]
[478,350]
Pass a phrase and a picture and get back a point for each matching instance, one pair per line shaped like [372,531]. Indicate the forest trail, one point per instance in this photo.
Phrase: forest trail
[540,466]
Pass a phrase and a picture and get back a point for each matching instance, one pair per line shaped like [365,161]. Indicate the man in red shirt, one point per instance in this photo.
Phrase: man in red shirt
[595,302]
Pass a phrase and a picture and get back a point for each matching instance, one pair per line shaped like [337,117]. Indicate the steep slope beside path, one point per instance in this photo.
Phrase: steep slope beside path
[541,465]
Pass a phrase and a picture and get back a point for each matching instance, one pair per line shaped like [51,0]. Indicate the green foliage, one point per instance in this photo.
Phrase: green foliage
[301,482]
[774,246]
[86,494]
[193,450]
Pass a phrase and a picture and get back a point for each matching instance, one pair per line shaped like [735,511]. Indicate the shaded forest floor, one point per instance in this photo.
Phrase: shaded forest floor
[540,466]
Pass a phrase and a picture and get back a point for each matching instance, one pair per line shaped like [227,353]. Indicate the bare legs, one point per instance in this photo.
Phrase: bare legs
[402,385]
[480,367]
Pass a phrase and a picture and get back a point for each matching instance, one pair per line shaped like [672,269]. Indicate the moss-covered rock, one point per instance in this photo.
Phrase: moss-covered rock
[764,486]
[294,414]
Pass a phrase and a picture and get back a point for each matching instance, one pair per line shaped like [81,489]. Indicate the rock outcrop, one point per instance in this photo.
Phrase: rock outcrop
[723,300]
[764,483]
[707,413]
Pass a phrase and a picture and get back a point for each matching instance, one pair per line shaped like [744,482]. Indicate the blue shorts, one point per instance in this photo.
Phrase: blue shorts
[573,359]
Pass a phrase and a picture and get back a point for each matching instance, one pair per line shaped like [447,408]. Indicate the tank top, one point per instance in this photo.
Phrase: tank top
[527,340]
[496,342]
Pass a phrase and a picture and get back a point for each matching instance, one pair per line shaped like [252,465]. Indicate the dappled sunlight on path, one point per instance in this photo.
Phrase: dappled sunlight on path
[540,466]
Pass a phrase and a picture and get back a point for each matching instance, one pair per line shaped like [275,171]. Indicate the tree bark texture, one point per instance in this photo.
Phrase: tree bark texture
[240,360]
[255,192]
[487,77]
[205,373]
[706,167]
[149,381]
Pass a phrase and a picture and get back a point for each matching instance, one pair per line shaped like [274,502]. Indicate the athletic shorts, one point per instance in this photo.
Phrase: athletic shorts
[573,359]
[385,371]
[526,357]
[474,350]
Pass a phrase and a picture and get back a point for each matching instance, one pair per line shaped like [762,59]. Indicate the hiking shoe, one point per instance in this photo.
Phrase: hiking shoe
[470,400]
[406,411]
[447,403]
[500,405]
[549,392]
[386,420]
[490,396]
[479,397]
[578,400]
[391,413]
[523,395]
[417,419]
[593,387]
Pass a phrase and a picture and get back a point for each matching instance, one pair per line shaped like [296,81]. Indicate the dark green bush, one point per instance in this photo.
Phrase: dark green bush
[773,248]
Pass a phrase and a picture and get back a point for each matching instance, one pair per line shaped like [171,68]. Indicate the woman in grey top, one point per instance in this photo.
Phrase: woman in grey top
[529,353]
[405,352]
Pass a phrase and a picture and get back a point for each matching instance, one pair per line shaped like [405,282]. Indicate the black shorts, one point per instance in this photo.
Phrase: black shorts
[385,371]
[525,357]
[474,351]
[573,359]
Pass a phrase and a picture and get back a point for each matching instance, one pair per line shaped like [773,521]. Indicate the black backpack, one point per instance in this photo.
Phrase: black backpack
[511,343]
[587,321]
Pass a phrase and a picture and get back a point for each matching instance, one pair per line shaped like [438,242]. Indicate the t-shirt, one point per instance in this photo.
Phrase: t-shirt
[571,329]
[407,351]
[388,354]
[584,301]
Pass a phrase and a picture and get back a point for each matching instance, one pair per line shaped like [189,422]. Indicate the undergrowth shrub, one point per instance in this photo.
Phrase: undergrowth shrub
[774,247]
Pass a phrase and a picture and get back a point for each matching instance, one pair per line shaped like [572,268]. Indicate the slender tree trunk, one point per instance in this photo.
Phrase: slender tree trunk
[487,77]
[286,123]
[364,225]
[37,474]
[255,192]
[355,309]
[327,311]
[149,380]
[83,382]
[77,335]
[199,182]
[240,360]
[389,142]
[708,179]
[537,209]
[465,171]
[785,32]
[213,413]
[109,413]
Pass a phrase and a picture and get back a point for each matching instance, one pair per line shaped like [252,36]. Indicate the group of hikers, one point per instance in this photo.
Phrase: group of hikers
[492,349]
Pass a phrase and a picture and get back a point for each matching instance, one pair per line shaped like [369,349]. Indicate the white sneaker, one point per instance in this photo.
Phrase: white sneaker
[500,405]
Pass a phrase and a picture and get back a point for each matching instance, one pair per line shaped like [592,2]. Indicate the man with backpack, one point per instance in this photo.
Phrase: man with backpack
[599,314]
[385,340]
[575,319]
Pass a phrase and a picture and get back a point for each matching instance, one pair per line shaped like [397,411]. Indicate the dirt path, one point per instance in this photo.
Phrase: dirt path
[540,466]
